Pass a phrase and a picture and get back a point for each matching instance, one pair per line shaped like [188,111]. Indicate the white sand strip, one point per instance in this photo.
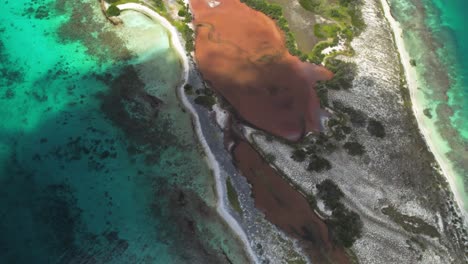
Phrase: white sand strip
[212,162]
[430,136]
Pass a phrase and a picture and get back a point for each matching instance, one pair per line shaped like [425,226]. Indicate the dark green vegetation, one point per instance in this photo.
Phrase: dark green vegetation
[113,11]
[344,74]
[375,128]
[183,27]
[188,89]
[346,23]
[232,196]
[318,164]
[411,224]
[344,224]
[309,149]
[299,155]
[270,158]
[205,98]
[354,148]
[205,101]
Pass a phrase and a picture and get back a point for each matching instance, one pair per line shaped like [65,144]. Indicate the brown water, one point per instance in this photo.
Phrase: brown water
[287,208]
[242,55]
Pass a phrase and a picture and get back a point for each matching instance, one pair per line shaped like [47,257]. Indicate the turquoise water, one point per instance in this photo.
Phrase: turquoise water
[98,161]
[435,33]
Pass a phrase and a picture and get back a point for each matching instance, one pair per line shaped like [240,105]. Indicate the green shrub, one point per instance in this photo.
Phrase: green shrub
[270,158]
[188,89]
[182,13]
[354,148]
[310,5]
[205,101]
[375,128]
[318,164]
[299,155]
[330,193]
[346,226]
[113,11]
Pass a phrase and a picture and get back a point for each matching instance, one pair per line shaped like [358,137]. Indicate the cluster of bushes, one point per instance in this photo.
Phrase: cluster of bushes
[205,98]
[345,225]
[316,163]
[187,34]
[344,74]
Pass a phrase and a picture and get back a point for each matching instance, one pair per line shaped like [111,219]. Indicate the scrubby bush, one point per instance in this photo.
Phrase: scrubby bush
[205,101]
[375,128]
[346,226]
[182,13]
[354,148]
[318,164]
[310,5]
[299,155]
[330,193]
[113,11]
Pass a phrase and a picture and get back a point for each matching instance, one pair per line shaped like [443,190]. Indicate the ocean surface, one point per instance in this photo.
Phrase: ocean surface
[98,160]
[436,38]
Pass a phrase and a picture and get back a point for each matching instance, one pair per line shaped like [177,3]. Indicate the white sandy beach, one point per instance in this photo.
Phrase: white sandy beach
[429,135]
[212,162]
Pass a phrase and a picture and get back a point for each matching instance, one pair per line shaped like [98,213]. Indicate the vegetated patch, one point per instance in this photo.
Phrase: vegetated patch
[344,224]
[188,89]
[357,117]
[205,98]
[324,31]
[299,155]
[344,74]
[232,196]
[413,62]
[330,193]
[375,128]
[354,148]
[310,5]
[270,157]
[411,224]
[113,10]
[205,101]
[318,164]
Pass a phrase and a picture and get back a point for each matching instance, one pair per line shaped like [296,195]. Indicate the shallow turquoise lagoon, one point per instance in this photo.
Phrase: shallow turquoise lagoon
[98,161]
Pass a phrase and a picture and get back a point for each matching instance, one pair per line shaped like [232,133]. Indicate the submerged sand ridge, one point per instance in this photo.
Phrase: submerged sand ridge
[242,55]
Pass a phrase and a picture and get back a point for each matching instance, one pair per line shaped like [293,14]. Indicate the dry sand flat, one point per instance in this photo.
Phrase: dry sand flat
[287,208]
[242,55]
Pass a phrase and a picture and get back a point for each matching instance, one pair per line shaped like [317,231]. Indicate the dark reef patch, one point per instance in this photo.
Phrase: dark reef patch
[89,30]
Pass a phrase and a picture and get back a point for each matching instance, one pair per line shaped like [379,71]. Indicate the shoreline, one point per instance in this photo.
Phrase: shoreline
[412,83]
[211,160]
